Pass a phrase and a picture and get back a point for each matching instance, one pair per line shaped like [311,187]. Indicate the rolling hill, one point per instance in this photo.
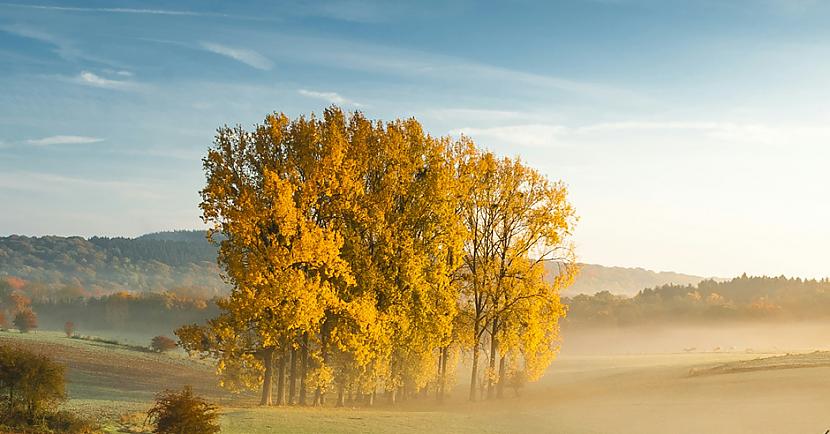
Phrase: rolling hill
[184,259]
[594,278]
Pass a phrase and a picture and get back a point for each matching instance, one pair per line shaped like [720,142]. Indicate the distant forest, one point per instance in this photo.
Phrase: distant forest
[184,260]
[74,266]
[741,299]
[624,281]
[159,281]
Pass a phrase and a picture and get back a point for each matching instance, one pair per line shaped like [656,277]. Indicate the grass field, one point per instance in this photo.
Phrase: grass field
[649,393]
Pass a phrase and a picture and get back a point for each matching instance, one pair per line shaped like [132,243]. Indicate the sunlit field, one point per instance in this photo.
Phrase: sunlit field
[737,392]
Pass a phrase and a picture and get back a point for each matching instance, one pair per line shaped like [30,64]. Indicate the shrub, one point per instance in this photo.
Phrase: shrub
[4,322]
[70,423]
[162,344]
[69,329]
[25,320]
[183,412]
[30,384]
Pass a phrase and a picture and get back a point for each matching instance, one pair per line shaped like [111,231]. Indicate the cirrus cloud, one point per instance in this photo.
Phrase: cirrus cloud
[332,97]
[88,78]
[63,140]
[244,55]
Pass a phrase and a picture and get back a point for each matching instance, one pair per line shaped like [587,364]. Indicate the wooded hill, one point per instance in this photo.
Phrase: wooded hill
[594,278]
[745,298]
[184,260]
[180,260]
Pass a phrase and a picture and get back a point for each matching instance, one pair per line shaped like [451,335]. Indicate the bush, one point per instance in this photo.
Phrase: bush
[30,384]
[25,321]
[183,412]
[4,322]
[69,329]
[70,423]
[162,344]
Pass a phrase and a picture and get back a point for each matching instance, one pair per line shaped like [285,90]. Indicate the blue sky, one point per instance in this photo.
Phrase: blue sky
[693,134]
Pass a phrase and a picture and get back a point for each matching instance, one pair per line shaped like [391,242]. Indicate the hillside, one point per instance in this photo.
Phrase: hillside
[184,259]
[94,266]
[624,281]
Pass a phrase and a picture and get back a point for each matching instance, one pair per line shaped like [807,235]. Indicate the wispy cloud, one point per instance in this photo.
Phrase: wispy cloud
[125,11]
[538,135]
[87,78]
[63,47]
[63,140]
[332,97]
[419,65]
[244,55]
[49,182]
[528,135]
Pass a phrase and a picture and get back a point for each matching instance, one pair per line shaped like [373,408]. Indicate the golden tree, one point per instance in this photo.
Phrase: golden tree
[517,221]
[365,255]
[265,199]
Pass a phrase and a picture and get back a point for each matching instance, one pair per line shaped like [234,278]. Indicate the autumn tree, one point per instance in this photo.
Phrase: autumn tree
[403,241]
[69,328]
[25,320]
[343,239]
[267,195]
[516,220]
[162,344]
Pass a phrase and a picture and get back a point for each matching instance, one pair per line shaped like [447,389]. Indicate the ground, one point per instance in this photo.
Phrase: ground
[686,392]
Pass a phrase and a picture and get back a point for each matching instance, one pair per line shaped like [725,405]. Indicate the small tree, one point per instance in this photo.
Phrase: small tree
[29,383]
[4,322]
[25,320]
[183,412]
[69,329]
[161,344]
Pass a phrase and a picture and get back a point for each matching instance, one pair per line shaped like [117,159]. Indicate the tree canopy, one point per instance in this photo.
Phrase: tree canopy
[367,255]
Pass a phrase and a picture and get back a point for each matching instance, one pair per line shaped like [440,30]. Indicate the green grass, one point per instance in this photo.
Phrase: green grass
[622,394]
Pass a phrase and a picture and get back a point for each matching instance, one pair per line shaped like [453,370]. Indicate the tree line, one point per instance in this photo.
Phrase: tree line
[744,298]
[369,257]
[98,266]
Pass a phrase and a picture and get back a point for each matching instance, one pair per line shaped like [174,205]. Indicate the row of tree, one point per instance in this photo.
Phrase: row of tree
[368,256]
[744,298]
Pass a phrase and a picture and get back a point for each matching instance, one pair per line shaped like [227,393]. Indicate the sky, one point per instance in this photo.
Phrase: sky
[694,136]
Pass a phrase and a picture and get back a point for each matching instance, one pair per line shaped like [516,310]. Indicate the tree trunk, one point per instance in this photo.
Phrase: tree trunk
[292,381]
[281,379]
[303,369]
[319,395]
[268,362]
[494,349]
[442,382]
[502,378]
[474,375]
[341,394]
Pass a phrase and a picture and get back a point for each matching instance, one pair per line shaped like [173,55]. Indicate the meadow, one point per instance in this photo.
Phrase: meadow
[680,392]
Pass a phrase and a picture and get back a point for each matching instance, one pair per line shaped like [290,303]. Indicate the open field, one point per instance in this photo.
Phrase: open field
[649,393]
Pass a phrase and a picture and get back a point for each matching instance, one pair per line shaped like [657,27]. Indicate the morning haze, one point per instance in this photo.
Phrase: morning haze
[369,216]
